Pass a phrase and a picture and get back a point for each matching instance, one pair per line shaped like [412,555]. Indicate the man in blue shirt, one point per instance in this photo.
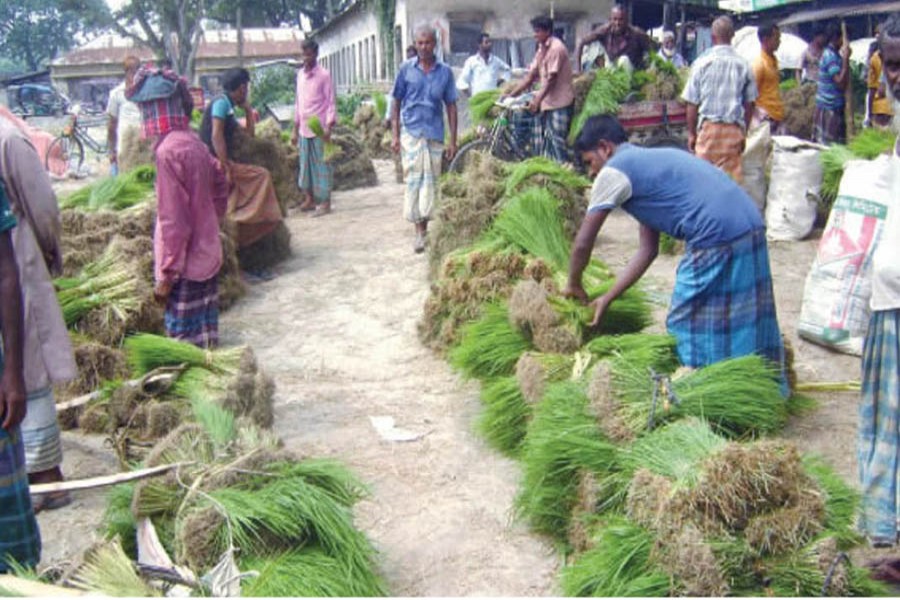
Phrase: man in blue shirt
[723,305]
[424,86]
[834,77]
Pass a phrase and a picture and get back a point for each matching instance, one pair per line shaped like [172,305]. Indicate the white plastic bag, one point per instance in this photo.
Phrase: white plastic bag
[756,154]
[794,186]
[835,309]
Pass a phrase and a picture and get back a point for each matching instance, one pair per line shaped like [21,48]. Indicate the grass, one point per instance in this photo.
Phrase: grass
[488,347]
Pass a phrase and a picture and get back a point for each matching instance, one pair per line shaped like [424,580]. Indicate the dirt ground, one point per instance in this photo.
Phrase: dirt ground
[337,330]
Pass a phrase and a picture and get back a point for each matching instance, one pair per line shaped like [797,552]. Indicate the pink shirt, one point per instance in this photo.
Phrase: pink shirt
[315,96]
[552,57]
[191,196]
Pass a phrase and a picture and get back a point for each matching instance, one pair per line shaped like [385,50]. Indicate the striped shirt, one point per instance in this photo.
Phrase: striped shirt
[720,83]
[828,95]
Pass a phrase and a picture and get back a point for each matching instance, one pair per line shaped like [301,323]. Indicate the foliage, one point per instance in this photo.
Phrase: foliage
[33,33]
[275,13]
[273,85]
[609,88]
[117,192]
[346,107]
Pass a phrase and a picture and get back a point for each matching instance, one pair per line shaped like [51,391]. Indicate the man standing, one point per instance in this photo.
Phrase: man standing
[812,55]
[834,77]
[720,93]
[625,44]
[878,107]
[553,101]
[20,539]
[252,203]
[191,198]
[483,70]
[879,409]
[423,87]
[315,98]
[124,126]
[769,105]
[723,305]
[48,357]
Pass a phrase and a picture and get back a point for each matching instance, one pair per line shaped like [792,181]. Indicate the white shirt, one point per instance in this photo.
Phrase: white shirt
[479,75]
[124,111]
[886,261]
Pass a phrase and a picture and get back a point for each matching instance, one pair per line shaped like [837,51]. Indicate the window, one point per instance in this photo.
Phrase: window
[464,38]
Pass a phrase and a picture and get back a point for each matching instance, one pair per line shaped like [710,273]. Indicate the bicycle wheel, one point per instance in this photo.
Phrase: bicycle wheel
[67,149]
[458,164]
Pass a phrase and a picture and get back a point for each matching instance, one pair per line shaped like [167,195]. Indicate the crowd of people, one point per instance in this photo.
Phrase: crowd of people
[722,305]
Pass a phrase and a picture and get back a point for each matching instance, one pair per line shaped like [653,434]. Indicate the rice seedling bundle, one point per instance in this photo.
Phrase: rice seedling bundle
[629,313]
[114,193]
[530,220]
[562,441]
[610,345]
[306,573]
[380,106]
[609,88]
[481,106]
[842,502]
[545,172]
[534,370]
[833,160]
[488,347]
[147,351]
[505,414]
[109,571]
[104,284]
[737,396]
[332,150]
[872,143]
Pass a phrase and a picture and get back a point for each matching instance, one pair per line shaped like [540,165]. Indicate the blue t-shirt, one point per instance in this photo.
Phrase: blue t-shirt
[674,192]
[222,108]
[7,218]
[828,95]
[422,97]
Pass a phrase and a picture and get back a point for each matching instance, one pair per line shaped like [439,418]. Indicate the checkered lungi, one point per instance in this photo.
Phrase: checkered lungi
[830,126]
[40,432]
[878,450]
[549,133]
[422,160]
[314,174]
[722,144]
[19,535]
[723,305]
[192,312]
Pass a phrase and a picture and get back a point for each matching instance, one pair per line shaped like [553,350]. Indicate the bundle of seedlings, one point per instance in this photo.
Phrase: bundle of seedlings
[370,122]
[490,346]
[582,86]
[480,274]
[535,370]
[107,570]
[505,414]
[562,442]
[872,143]
[231,282]
[237,489]
[469,202]
[833,160]
[606,346]
[561,181]
[799,110]
[609,88]
[332,150]
[266,149]
[352,168]
[97,365]
[737,396]
[531,221]
[482,106]
[147,352]
[86,235]
[116,192]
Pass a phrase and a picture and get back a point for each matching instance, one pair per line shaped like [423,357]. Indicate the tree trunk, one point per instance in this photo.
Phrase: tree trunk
[239,25]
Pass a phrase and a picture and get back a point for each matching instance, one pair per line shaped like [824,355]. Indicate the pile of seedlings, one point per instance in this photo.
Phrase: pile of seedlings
[352,168]
[800,110]
[369,119]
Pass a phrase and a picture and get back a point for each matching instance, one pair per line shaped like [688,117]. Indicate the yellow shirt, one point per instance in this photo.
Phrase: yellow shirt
[880,103]
[765,71]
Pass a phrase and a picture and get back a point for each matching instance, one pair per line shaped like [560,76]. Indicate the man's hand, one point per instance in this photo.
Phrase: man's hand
[395,145]
[161,291]
[599,305]
[294,138]
[692,143]
[845,51]
[327,135]
[12,398]
[535,104]
[576,292]
[450,151]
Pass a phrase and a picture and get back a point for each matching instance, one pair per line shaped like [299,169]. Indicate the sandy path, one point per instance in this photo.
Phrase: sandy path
[337,330]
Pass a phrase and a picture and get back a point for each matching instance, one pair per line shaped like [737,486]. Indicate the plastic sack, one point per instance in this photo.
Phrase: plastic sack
[794,185]
[756,154]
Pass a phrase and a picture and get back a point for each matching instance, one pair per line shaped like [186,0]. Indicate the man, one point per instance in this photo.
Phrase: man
[423,86]
[252,203]
[314,98]
[669,53]
[625,44]
[719,93]
[124,126]
[879,409]
[812,55]
[20,539]
[834,77]
[878,106]
[483,70]
[769,105]
[47,350]
[410,54]
[723,305]
[553,102]
[191,198]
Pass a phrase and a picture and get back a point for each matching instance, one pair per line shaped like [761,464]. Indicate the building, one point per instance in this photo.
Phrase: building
[87,73]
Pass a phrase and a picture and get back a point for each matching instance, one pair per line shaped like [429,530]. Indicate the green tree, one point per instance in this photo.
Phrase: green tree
[34,32]
[275,13]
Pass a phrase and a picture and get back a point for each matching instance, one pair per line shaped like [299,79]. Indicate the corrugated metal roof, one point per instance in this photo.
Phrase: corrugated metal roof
[847,10]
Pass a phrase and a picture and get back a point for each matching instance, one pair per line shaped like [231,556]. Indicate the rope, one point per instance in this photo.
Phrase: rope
[831,569]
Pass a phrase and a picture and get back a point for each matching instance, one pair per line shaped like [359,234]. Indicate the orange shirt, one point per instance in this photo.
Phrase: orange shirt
[880,103]
[765,71]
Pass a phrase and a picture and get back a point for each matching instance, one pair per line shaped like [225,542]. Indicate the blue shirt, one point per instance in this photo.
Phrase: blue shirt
[7,218]
[422,97]
[828,95]
[222,108]
[674,192]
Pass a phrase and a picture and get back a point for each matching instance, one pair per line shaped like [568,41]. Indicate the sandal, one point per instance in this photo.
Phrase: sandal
[320,212]
[51,501]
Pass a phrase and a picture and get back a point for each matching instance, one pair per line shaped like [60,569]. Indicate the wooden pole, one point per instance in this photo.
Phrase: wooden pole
[848,93]
[102,481]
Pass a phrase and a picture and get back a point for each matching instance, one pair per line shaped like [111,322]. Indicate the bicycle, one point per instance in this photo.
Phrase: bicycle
[502,139]
[69,145]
